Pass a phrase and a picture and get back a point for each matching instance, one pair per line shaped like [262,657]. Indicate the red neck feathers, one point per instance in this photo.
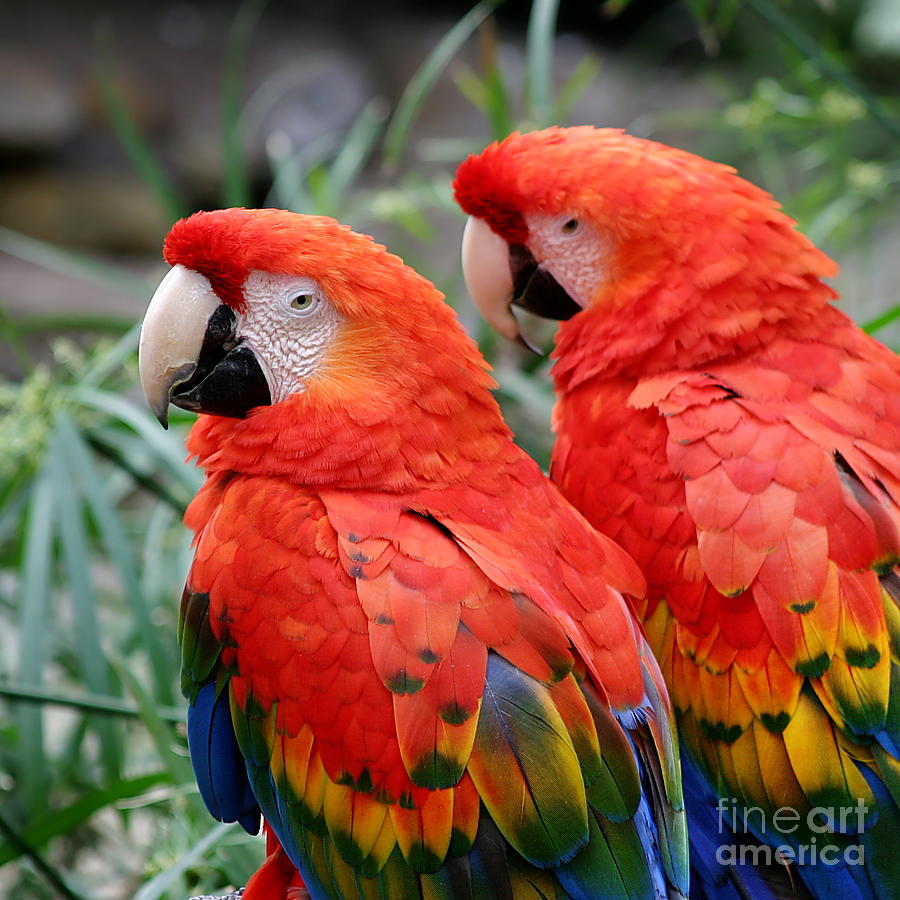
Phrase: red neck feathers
[390,446]
[431,422]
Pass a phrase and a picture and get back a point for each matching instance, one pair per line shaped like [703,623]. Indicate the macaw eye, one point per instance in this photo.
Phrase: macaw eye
[305,302]
[571,226]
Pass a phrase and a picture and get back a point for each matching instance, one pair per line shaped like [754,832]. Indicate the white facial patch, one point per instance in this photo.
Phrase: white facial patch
[289,325]
[571,250]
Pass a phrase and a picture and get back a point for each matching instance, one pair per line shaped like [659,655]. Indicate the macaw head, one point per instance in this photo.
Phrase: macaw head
[262,305]
[566,219]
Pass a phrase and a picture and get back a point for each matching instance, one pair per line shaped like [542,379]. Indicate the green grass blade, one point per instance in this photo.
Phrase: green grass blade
[832,216]
[488,95]
[726,14]
[123,122]
[473,87]
[34,616]
[236,182]
[119,449]
[18,846]
[159,730]
[103,705]
[356,150]
[166,446]
[158,887]
[423,81]
[812,52]
[701,10]
[288,190]
[116,356]
[159,559]
[118,551]
[487,92]
[13,506]
[585,74]
[291,171]
[71,265]
[539,61]
[63,821]
[499,108]
[13,334]
[74,754]
[76,562]
[68,321]
[882,321]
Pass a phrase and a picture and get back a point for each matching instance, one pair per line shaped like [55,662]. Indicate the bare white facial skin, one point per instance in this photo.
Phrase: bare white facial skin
[289,325]
[570,249]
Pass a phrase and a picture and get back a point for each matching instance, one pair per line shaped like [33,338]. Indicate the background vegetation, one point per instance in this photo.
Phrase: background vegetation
[97,798]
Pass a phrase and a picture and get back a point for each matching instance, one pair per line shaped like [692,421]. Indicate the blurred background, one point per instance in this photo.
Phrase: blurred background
[115,119]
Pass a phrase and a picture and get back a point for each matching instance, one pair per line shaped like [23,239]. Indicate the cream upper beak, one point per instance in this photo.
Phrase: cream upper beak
[485,262]
[172,335]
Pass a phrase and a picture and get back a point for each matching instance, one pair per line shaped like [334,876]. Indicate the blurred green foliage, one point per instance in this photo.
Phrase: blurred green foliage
[97,799]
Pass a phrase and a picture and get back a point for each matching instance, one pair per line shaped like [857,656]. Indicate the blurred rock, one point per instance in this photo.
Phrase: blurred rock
[103,212]
[307,89]
[34,290]
[39,108]
[309,70]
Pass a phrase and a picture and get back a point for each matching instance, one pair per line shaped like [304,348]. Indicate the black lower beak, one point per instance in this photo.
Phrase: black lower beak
[535,289]
[228,380]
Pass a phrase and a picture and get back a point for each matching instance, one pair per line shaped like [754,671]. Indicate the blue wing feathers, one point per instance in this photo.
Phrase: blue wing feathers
[217,760]
[739,878]
[719,870]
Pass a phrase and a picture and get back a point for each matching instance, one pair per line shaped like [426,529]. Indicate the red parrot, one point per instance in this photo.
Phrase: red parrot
[400,644]
[740,438]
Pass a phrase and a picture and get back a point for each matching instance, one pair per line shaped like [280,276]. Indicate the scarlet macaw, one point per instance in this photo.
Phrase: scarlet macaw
[740,437]
[400,644]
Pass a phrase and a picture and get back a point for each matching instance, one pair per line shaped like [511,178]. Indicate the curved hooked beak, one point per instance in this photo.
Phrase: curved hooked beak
[499,275]
[190,354]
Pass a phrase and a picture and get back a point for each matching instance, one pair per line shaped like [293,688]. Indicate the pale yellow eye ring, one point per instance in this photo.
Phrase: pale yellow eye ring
[304,302]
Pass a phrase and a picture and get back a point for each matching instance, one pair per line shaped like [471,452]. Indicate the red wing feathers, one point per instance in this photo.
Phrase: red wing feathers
[792,493]
[396,677]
